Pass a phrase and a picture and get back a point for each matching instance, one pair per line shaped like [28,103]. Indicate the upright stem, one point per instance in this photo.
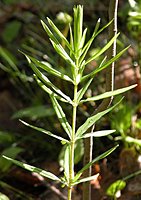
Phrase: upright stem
[72,142]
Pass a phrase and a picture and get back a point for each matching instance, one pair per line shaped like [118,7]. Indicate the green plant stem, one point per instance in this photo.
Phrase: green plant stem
[72,143]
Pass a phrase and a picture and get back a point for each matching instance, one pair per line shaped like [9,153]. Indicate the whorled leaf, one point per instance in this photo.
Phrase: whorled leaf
[90,178]
[61,116]
[91,120]
[82,91]
[44,78]
[109,94]
[58,33]
[103,66]
[105,154]
[45,131]
[97,134]
[34,169]
[49,91]
[103,49]
[48,68]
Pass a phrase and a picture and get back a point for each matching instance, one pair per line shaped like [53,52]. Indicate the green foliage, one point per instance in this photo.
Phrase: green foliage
[11,31]
[123,125]
[3,197]
[10,152]
[74,53]
[34,112]
[115,187]
[134,19]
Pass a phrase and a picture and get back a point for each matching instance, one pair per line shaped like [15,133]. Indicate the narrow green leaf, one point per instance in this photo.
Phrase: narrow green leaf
[44,131]
[34,112]
[78,24]
[90,178]
[91,120]
[103,49]
[11,151]
[97,33]
[43,78]
[11,60]
[61,116]
[109,94]
[131,140]
[46,89]
[47,67]
[83,39]
[82,91]
[97,134]
[58,32]
[66,162]
[105,154]
[34,169]
[61,51]
[115,187]
[71,40]
[88,44]
[93,73]
[50,34]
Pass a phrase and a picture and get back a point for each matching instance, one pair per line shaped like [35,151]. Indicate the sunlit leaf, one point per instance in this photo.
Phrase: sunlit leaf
[82,91]
[98,69]
[61,51]
[109,94]
[88,44]
[12,151]
[47,67]
[58,32]
[3,197]
[48,90]
[115,187]
[102,50]
[97,134]
[94,177]
[34,169]
[105,154]
[91,120]
[44,131]
[61,116]
[83,39]
[47,81]
[78,25]
[50,34]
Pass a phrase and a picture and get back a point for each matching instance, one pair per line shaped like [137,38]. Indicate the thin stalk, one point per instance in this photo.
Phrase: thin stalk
[72,142]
